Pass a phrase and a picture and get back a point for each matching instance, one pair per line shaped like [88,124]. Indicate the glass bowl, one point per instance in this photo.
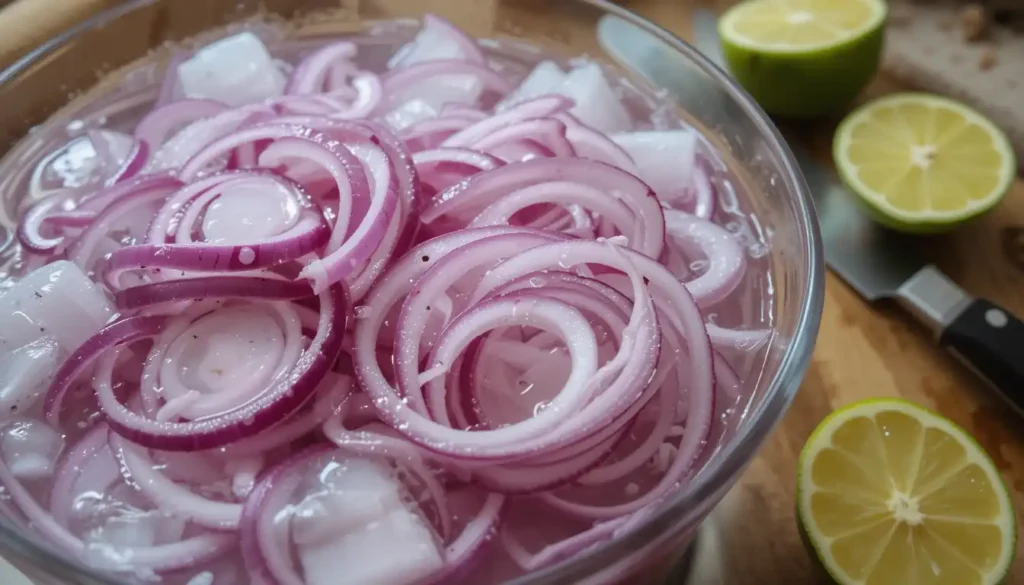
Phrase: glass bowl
[80,63]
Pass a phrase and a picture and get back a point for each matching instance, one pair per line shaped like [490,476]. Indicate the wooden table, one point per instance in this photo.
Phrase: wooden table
[863,351]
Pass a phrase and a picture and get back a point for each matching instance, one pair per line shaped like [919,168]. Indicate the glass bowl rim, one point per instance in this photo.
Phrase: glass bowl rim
[735,456]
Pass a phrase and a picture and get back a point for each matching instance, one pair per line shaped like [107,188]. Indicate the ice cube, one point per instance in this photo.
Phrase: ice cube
[395,549]
[30,448]
[597,105]
[28,371]
[354,525]
[436,40]
[547,77]
[353,492]
[235,70]
[664,158]
[409,113]
[58,301]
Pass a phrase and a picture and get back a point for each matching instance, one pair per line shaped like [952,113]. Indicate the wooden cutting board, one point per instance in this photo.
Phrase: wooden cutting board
[862,351]
[928,47]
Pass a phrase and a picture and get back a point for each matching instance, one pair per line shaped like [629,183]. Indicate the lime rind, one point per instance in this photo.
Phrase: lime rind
[924,221]
[821,438]
[810,81]
[727,30]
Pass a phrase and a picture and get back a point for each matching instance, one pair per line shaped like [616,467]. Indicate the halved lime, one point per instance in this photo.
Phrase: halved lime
[890,493]
[923,163]
[803,58]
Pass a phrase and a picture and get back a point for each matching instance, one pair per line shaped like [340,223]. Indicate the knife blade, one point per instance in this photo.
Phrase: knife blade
[875,262]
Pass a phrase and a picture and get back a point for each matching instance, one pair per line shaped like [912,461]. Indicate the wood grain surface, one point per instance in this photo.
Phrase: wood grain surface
[862,351]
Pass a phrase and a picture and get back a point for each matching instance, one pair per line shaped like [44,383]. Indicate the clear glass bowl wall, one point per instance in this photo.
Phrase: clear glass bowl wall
[64,73]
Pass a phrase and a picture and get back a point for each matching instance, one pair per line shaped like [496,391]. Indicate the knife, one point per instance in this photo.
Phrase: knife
[876,263]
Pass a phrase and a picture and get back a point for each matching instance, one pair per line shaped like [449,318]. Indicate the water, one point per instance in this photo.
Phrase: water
[58,156]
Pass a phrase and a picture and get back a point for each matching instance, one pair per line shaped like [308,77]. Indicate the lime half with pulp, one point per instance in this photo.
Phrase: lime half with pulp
[923,163]
[803,58]
[890,493]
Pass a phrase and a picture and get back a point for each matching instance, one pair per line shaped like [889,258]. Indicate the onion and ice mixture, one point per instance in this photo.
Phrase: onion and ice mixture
[353,313]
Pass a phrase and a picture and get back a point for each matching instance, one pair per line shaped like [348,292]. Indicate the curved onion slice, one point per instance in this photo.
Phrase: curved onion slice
[281,399]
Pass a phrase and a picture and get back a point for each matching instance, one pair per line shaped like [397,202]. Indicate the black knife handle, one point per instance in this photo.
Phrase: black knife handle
[990,341]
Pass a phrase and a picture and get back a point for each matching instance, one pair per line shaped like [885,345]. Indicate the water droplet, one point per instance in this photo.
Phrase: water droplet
[699,267]
[246,255]
[362,312]
[757,250]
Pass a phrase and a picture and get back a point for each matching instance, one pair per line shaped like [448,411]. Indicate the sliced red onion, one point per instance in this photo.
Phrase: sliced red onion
[541,107]
[501,443]
[720,249]
[368,94]
[705,198]
[88,465]
[346,252]
[127,198]
[201,366]
[456,109]
[488,188]
[746,340]
[209,287]
[313,73]
[431,133]
[112,148]
[172,497]
[169,87]
[407,80]
[117,333]
[456,156]
[589,143]
[440,168]
[133,163]
[308,234]
[261,413]
[533,137]
[259,543]
[184,145]
[403,224]
[334,392]
[475,535]
[442,274]
[29,230]
[158,125]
